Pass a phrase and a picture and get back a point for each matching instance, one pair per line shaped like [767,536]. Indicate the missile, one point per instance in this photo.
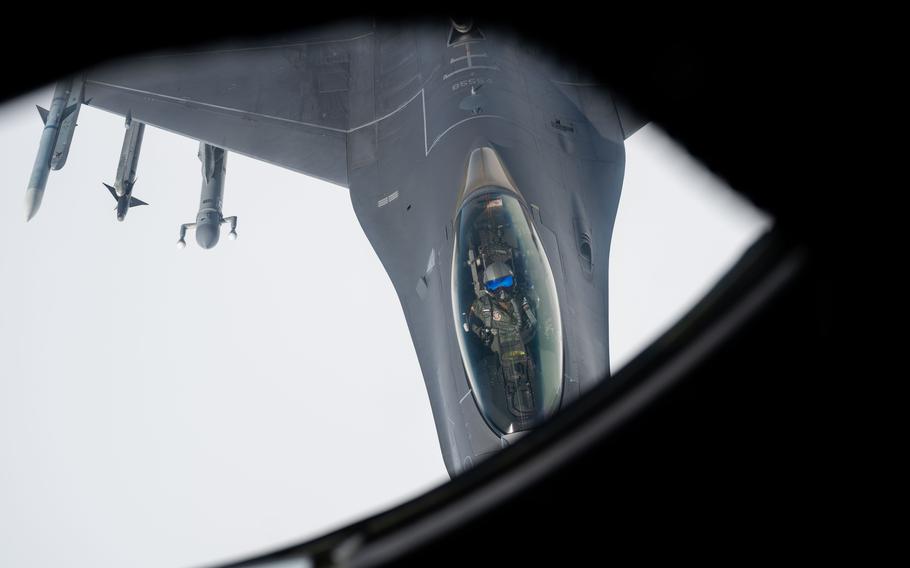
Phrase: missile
[54,118]
[67,127]
[129,157]
[210,218]
[122,190]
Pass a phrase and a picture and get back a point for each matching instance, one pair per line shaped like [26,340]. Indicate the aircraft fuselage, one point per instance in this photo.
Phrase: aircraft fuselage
[408,174]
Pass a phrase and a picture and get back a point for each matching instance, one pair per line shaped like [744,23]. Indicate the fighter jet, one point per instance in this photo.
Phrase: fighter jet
[485,174]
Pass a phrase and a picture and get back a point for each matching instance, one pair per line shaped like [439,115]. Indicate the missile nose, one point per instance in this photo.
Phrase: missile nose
[207,235]
[32,202]
[121,217]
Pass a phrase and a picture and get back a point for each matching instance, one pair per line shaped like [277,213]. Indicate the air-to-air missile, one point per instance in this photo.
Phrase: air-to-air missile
[122,190]
[209,219]
[59,126]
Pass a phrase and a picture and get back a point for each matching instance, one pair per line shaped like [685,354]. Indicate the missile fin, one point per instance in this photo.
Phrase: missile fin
[43,112]
[68,111]
[136,202]
[112,190]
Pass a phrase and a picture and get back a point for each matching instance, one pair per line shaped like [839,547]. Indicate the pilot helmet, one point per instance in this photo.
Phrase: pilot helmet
[497,275]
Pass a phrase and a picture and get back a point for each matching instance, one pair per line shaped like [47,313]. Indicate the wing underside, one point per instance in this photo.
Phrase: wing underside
[288,101]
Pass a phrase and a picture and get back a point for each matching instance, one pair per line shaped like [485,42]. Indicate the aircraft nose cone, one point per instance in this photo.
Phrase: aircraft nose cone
[207,235]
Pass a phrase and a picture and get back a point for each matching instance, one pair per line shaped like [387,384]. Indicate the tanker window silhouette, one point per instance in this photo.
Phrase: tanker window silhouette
[206,405]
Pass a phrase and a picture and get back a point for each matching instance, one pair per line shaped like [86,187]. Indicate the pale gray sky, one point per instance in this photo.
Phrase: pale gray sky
[161,407]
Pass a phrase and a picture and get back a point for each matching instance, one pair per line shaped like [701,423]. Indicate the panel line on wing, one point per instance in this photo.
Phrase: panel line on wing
[257,48]
[255,114]
[214,106]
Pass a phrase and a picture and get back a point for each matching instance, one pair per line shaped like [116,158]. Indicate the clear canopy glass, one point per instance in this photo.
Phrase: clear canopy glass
[507,313]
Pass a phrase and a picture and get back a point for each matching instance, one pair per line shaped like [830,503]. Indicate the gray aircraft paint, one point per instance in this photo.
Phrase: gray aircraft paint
[394,115]
[209,218]
[53,118]
[67,128]
[127,165]
[53,149]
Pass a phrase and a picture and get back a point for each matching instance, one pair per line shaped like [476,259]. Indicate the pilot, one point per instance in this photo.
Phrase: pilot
[501,317]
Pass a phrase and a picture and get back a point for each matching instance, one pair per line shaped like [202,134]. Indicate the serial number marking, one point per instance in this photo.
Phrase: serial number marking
[471,82]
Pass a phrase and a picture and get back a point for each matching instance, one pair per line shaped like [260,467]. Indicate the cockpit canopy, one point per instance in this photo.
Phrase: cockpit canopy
[507,312]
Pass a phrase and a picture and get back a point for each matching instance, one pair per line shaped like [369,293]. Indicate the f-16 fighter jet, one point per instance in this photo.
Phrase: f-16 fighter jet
[485,174]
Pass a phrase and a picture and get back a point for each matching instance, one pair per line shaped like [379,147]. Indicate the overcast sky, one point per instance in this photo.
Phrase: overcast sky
[164,407]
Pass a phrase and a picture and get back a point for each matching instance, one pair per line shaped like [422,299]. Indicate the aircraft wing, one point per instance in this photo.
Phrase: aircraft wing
[288,101]
[612,118]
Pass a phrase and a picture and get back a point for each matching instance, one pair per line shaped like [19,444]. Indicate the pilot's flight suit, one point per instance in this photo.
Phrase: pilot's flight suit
[502,324]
